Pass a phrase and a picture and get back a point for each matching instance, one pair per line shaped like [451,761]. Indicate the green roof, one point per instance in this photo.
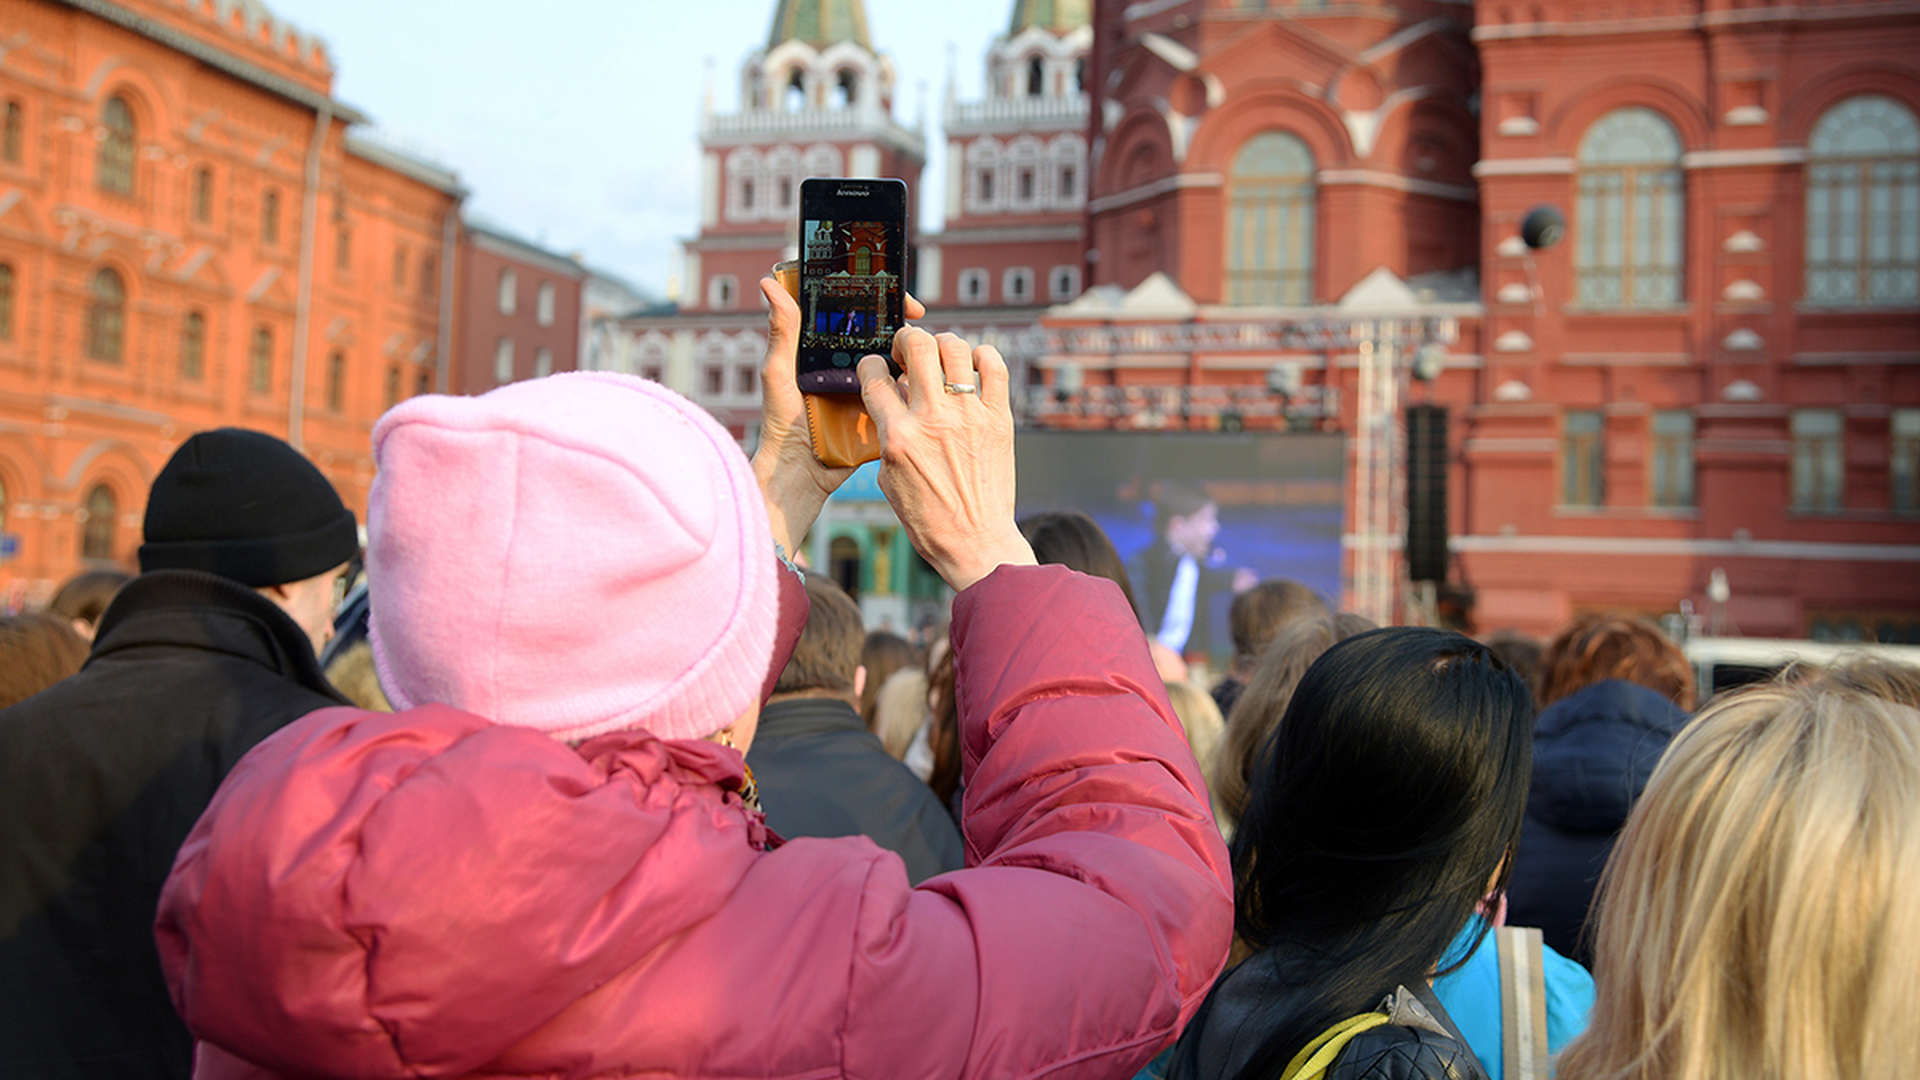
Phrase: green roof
[820,23]
[1059,16]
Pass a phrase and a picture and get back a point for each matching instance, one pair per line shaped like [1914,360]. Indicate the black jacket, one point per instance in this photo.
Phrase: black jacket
[1593,752]
[101,777]
[1153,569]
[822,773]
[1418,1042]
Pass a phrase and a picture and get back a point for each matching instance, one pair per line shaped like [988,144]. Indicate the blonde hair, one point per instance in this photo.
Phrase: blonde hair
[1200,715]
[900,709]
[1257,711]
[1760,915]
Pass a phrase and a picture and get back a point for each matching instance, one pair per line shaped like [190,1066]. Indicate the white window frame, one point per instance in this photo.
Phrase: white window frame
[1059,293]
[503,361]
[543,304]
[1016,285]
[968,296]
[509,291]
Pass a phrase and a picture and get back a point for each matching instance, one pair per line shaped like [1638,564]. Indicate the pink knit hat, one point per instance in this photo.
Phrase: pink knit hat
[579,554]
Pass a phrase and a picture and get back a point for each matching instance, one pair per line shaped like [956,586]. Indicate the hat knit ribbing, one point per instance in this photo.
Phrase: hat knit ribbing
[579,554]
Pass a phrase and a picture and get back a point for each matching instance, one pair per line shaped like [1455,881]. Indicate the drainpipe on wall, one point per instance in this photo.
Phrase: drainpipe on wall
[443,348]
[303,305]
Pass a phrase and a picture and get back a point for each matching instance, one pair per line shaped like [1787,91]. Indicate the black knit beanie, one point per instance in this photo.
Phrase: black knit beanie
[246,506]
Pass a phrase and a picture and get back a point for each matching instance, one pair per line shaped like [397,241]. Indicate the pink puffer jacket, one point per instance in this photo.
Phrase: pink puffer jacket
[429,894]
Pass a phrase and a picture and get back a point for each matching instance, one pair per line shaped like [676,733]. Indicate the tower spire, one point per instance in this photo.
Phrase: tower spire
[1059,16]
[820,23]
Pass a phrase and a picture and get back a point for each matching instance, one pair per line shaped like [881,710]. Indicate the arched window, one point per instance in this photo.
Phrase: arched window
[509,291]
[203,194]
[13,132]
[260,361]
[1270,222]
[106,316]
[193,347]
[1630,218]
[846,89]
[96,534]
[337,381]
[1863,205]
[794,98]
[115,171]
[1036,77]
[6,301]
[503,360]
[542,362]
[543,304]
[270,216]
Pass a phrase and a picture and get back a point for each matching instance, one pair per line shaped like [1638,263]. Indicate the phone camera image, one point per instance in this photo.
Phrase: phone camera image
[853,259]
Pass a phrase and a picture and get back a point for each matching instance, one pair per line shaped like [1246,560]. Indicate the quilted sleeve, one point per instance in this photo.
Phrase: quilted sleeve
[1097,906]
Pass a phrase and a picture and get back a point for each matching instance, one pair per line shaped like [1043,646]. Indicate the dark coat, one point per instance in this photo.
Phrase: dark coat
[822,773]
[1418,1042]
[101,778]
[1152,571]
[1593,751]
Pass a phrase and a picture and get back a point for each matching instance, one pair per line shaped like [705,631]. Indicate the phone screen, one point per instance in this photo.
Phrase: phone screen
[853,259]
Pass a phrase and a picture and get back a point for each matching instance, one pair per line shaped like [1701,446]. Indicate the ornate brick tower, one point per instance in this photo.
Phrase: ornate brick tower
[1017,170]
[817,101]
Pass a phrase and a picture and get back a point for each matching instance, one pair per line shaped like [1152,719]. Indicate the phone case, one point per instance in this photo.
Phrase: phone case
[837,424]
[841,431]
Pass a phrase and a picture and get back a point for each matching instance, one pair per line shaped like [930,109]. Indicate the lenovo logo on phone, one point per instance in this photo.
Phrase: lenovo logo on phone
[853,261]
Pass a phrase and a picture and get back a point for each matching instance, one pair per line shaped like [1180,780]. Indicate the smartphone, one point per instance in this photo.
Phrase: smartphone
[853,265]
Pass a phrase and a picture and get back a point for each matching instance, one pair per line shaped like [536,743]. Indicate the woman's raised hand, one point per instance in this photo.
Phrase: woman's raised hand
[946,452]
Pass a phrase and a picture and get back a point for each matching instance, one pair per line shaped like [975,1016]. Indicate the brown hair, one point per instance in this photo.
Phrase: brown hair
[1260,613]
[37,649]
[1522,652]
[882,654]
[828,651]
[1598,646]
[1257,711]
[1757,917]
[1071,539]
[943,729]
[85,595]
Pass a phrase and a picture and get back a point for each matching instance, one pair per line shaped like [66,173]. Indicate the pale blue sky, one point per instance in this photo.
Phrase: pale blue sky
[574,121]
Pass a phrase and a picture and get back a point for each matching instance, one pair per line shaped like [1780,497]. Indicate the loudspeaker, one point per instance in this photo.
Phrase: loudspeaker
[1427,492]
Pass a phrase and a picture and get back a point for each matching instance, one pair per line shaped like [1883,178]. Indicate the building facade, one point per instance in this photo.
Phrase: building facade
[518,313]
[192,236]
[817,100]
[1703,399]
[1016,177]
[1717,373]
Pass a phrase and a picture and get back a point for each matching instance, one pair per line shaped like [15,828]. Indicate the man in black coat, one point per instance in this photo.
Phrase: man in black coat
[820,772]
[1176,577]
[210,650]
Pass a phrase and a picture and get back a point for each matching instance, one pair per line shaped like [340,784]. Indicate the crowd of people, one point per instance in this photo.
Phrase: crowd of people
[571,771]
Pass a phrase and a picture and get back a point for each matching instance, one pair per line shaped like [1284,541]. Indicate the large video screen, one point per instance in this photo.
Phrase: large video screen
[1256,506]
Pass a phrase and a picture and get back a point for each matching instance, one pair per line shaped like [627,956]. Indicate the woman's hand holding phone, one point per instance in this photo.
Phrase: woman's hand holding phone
[794,482]
[946,461]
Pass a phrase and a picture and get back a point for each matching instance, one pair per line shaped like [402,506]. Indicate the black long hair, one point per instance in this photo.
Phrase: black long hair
[1387,798]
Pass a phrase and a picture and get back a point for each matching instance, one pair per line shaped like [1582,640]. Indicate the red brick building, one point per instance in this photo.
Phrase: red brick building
[1719,369]
[518,313]
[1717,372]
[817,100]
[1016,178]
[190,236]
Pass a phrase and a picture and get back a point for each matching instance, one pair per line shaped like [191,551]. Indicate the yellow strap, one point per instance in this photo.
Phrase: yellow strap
[1316,1057]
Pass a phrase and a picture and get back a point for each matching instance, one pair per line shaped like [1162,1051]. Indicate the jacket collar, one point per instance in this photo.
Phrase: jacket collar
[197,610]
